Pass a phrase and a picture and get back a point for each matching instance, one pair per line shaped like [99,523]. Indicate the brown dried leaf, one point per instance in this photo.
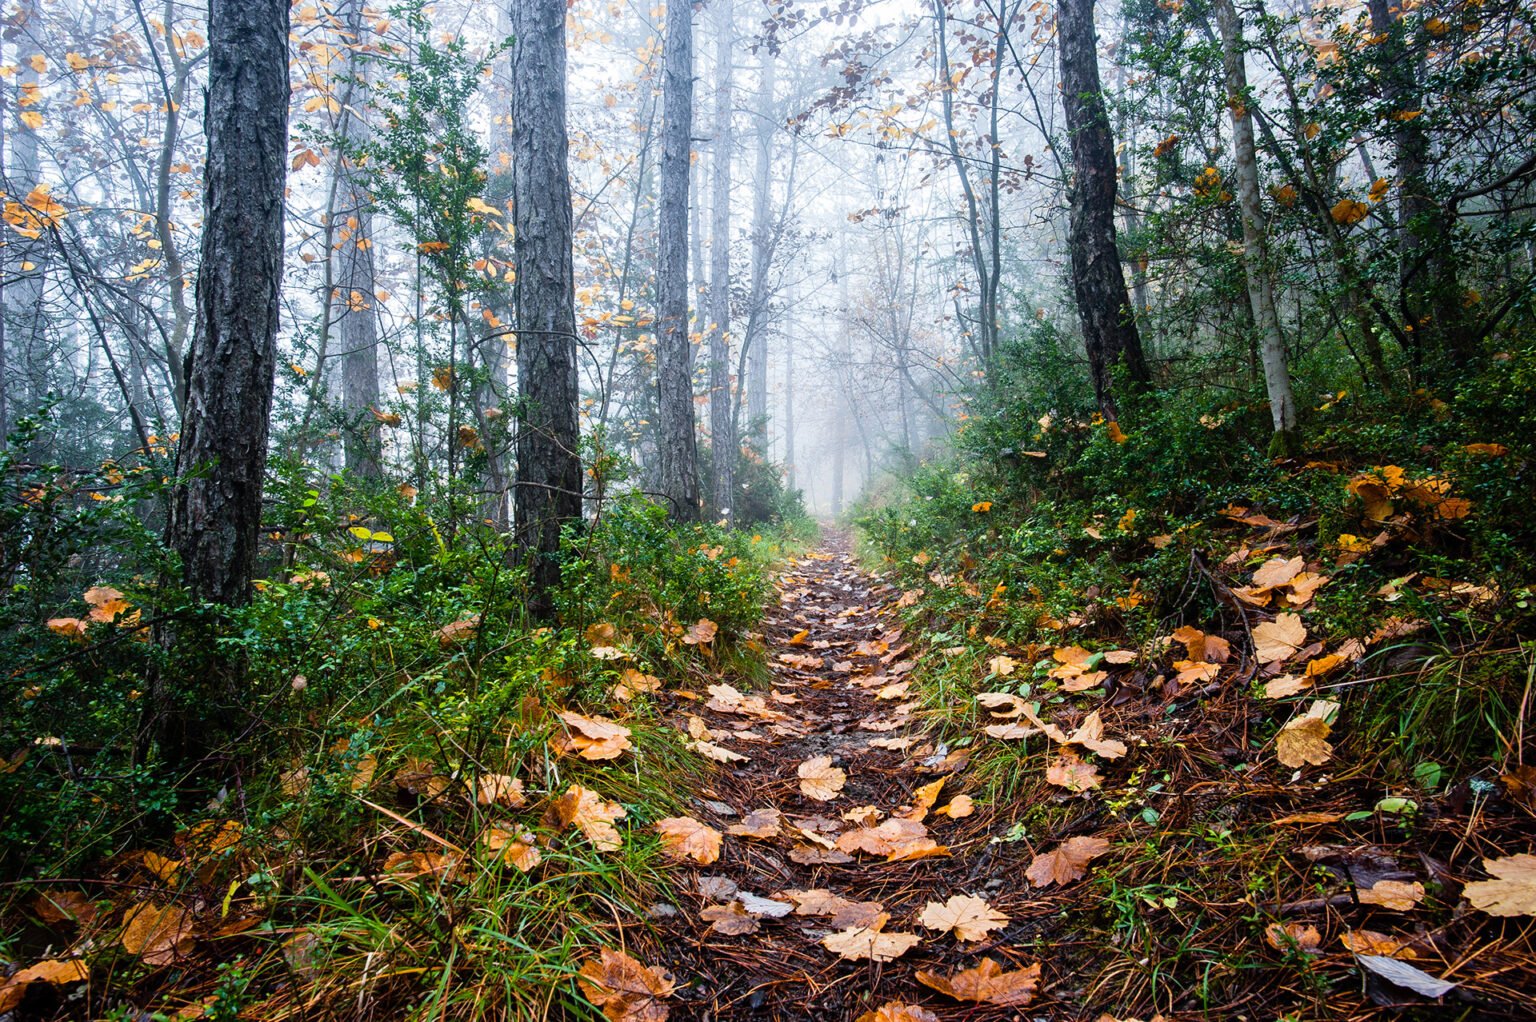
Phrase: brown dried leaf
[1090,735]
[1277,571]
[625,990]
[1070,772]
[970,918]
[683,837]
[159,934]
[585,809]
[1304,739]
[820,780]
[500,790]
[730,919]
[858,943]
[514,847]
[987,983]
[1392,894]
[759,823]
[1068,862]
[1297,935]
[959,806]
[1511,892]
[895,1011]
[1279,639]
[597,737]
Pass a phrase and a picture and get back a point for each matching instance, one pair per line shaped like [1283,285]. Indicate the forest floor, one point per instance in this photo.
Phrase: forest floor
[855,865]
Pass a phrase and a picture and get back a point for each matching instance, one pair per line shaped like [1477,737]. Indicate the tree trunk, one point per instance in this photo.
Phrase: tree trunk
[1104,307]
[722,423]
[26,260]
[1261,291]
[1428,285]
[549,484]
[221,462]
[353,300]
[217,515]
[677,447]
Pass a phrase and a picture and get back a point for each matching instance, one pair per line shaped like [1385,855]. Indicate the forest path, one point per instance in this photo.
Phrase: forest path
[841,826]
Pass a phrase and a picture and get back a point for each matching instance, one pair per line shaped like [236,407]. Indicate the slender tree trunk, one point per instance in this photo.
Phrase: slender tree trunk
[789,410]
[1261,291]
[218,512]
[549,484]
[677,446]
[221,462]
[353,302]
[722,423]
[25,262]
[1428,283]
[1104,307]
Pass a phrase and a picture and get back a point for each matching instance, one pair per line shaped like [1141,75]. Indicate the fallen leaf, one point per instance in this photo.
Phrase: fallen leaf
[702,632]
[884,838]
[159,934]
[683,837]
[1277,571]
[1070,772]
[1279,639]
[596,738]
[895,1011]
[1407,976]
[730,919]
[987,983]
[1067,862]
[970,918]
[1370,942]
[718,753]
[810,855]
[759,823]
[1297,935]
[858,943]
[923,798]
[820,780]
[1090,735]
[1511,892]
[500,790]
[585,809]
[516,848]
[1392,894]
[1304,739]
[770,908]
[959,806]
[624,989]
[842,912]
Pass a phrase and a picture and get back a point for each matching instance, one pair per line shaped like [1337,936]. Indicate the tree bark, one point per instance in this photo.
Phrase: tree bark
[549,485]
[722,423]
[217,517]
[677,446]
[353,300]
[1103,304]
[1261,291]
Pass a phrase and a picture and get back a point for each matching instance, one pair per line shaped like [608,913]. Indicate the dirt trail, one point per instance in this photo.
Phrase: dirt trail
[838,692]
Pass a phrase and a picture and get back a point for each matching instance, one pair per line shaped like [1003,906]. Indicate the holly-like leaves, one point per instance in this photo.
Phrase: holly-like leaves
[968,917]
[987,983]
[624,989]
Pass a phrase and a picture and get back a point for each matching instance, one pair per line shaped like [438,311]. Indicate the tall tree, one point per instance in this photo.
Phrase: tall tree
[676,445]
[1103,305]
[722,420]
[549,485]
[353,296]
[223,454]
[1261,289]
